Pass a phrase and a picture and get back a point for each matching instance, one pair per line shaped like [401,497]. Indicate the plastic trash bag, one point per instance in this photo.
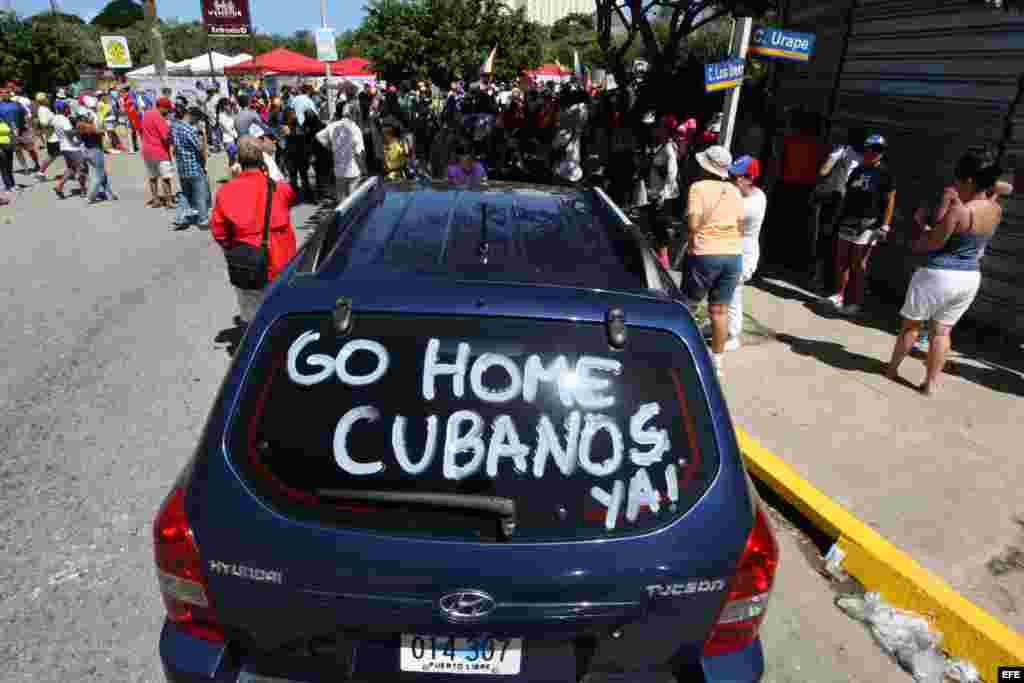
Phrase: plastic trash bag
[962,672]
[905,635]
[834,563]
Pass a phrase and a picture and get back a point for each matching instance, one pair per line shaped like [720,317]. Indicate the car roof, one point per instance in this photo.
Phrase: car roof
[489,232]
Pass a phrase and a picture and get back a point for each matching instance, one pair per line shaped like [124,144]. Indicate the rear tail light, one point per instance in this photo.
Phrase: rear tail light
[179,571]
[749,589]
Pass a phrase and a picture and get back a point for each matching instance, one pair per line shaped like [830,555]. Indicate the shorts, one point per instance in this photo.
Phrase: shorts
[159,169]
[53,149]
[713,276]
[27,139]
[859,231]
[942,296]
[74,160]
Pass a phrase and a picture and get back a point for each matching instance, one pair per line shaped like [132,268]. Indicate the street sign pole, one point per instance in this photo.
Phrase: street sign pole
[327,70]
[738,50]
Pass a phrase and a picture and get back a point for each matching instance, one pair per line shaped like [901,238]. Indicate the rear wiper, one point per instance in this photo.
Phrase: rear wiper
[503,508]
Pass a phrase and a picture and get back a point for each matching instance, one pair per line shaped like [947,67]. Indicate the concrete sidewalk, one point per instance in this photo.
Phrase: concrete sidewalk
[941,477]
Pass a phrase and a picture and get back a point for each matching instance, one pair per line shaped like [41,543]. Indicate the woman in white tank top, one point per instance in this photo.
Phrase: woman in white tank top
[745,172]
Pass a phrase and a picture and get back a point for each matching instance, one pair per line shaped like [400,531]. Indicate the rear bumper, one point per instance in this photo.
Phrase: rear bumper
[187,659]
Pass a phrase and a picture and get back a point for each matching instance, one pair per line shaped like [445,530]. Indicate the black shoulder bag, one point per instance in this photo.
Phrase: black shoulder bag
[248,265]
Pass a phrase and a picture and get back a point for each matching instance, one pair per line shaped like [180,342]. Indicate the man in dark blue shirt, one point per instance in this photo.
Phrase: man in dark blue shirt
[13,116]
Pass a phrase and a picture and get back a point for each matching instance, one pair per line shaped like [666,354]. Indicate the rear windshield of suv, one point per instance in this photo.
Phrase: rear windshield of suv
[585,441]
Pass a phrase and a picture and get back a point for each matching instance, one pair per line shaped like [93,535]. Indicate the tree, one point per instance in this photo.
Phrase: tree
[447,40]
[571,24]
[15,44]
[573,33]
[45,51]
[680,19]
[119,14]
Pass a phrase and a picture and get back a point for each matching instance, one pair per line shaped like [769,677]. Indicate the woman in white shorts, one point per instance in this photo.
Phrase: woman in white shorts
[946,286]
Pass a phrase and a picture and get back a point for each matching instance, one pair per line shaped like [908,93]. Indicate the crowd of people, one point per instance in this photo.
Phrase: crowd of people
[700,205]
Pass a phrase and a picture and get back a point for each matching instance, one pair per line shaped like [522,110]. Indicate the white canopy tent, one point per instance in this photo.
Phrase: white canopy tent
[148,71]
[200,65]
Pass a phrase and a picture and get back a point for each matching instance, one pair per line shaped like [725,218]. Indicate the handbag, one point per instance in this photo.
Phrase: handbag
[248,265]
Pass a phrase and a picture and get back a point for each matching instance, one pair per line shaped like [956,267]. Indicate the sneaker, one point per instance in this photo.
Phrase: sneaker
[836,300]
[732,344]
[41,177]
[852,309]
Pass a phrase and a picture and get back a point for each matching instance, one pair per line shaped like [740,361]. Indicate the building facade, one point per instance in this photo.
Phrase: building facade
[936,79]
[549,11]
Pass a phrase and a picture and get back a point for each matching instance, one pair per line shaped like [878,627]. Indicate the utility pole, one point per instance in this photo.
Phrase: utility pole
[158,40]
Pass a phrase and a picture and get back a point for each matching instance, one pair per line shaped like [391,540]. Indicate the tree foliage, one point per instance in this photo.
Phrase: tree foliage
[447,39]
[119,14]
[678,20]
[43,51]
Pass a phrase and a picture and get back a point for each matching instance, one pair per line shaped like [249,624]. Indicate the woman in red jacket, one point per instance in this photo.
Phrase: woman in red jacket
[238,216]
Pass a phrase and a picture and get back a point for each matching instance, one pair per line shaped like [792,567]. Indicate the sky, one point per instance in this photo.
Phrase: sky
[270,16]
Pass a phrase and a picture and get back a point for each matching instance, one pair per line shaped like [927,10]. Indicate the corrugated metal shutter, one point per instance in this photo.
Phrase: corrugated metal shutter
[936,78]
[810,85]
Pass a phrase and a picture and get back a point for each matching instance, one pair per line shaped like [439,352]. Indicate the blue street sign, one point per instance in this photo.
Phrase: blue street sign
[777,43]
[724,75]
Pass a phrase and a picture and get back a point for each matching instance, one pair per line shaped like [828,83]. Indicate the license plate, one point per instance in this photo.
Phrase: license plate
[480,655]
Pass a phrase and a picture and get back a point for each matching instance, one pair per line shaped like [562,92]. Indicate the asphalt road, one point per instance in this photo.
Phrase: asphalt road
[112,358]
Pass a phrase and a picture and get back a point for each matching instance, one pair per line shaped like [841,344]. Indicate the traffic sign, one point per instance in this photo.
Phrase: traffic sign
[777,43]
[326,46]
[724,75]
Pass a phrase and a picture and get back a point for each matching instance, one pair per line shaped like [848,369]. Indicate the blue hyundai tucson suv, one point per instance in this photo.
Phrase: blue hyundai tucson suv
[472,433]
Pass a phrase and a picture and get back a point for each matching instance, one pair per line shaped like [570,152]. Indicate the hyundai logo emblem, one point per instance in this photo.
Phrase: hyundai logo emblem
[468,605]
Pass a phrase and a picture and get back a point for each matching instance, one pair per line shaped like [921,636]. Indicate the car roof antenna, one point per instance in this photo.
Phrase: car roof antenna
[484,246]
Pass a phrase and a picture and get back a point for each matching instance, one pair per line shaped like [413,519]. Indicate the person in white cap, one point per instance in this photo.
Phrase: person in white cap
[714,260]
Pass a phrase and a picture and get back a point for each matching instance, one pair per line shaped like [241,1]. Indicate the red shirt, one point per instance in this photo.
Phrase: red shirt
[238,215]
[801,159]
[128,107]
[156,137]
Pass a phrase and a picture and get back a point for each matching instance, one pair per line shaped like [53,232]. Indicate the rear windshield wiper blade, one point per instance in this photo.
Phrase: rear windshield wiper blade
[504,508]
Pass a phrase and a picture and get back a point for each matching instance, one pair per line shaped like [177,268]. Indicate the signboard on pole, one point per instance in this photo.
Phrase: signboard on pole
[777,43]
[724,75]
[226,17]
[326,45]
[115,49]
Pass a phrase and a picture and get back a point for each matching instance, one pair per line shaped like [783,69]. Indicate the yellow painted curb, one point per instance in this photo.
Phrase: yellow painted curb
[968,632]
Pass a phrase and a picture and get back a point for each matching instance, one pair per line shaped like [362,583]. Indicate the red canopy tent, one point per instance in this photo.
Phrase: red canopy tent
[550,70]
[279,61]
[353,67]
